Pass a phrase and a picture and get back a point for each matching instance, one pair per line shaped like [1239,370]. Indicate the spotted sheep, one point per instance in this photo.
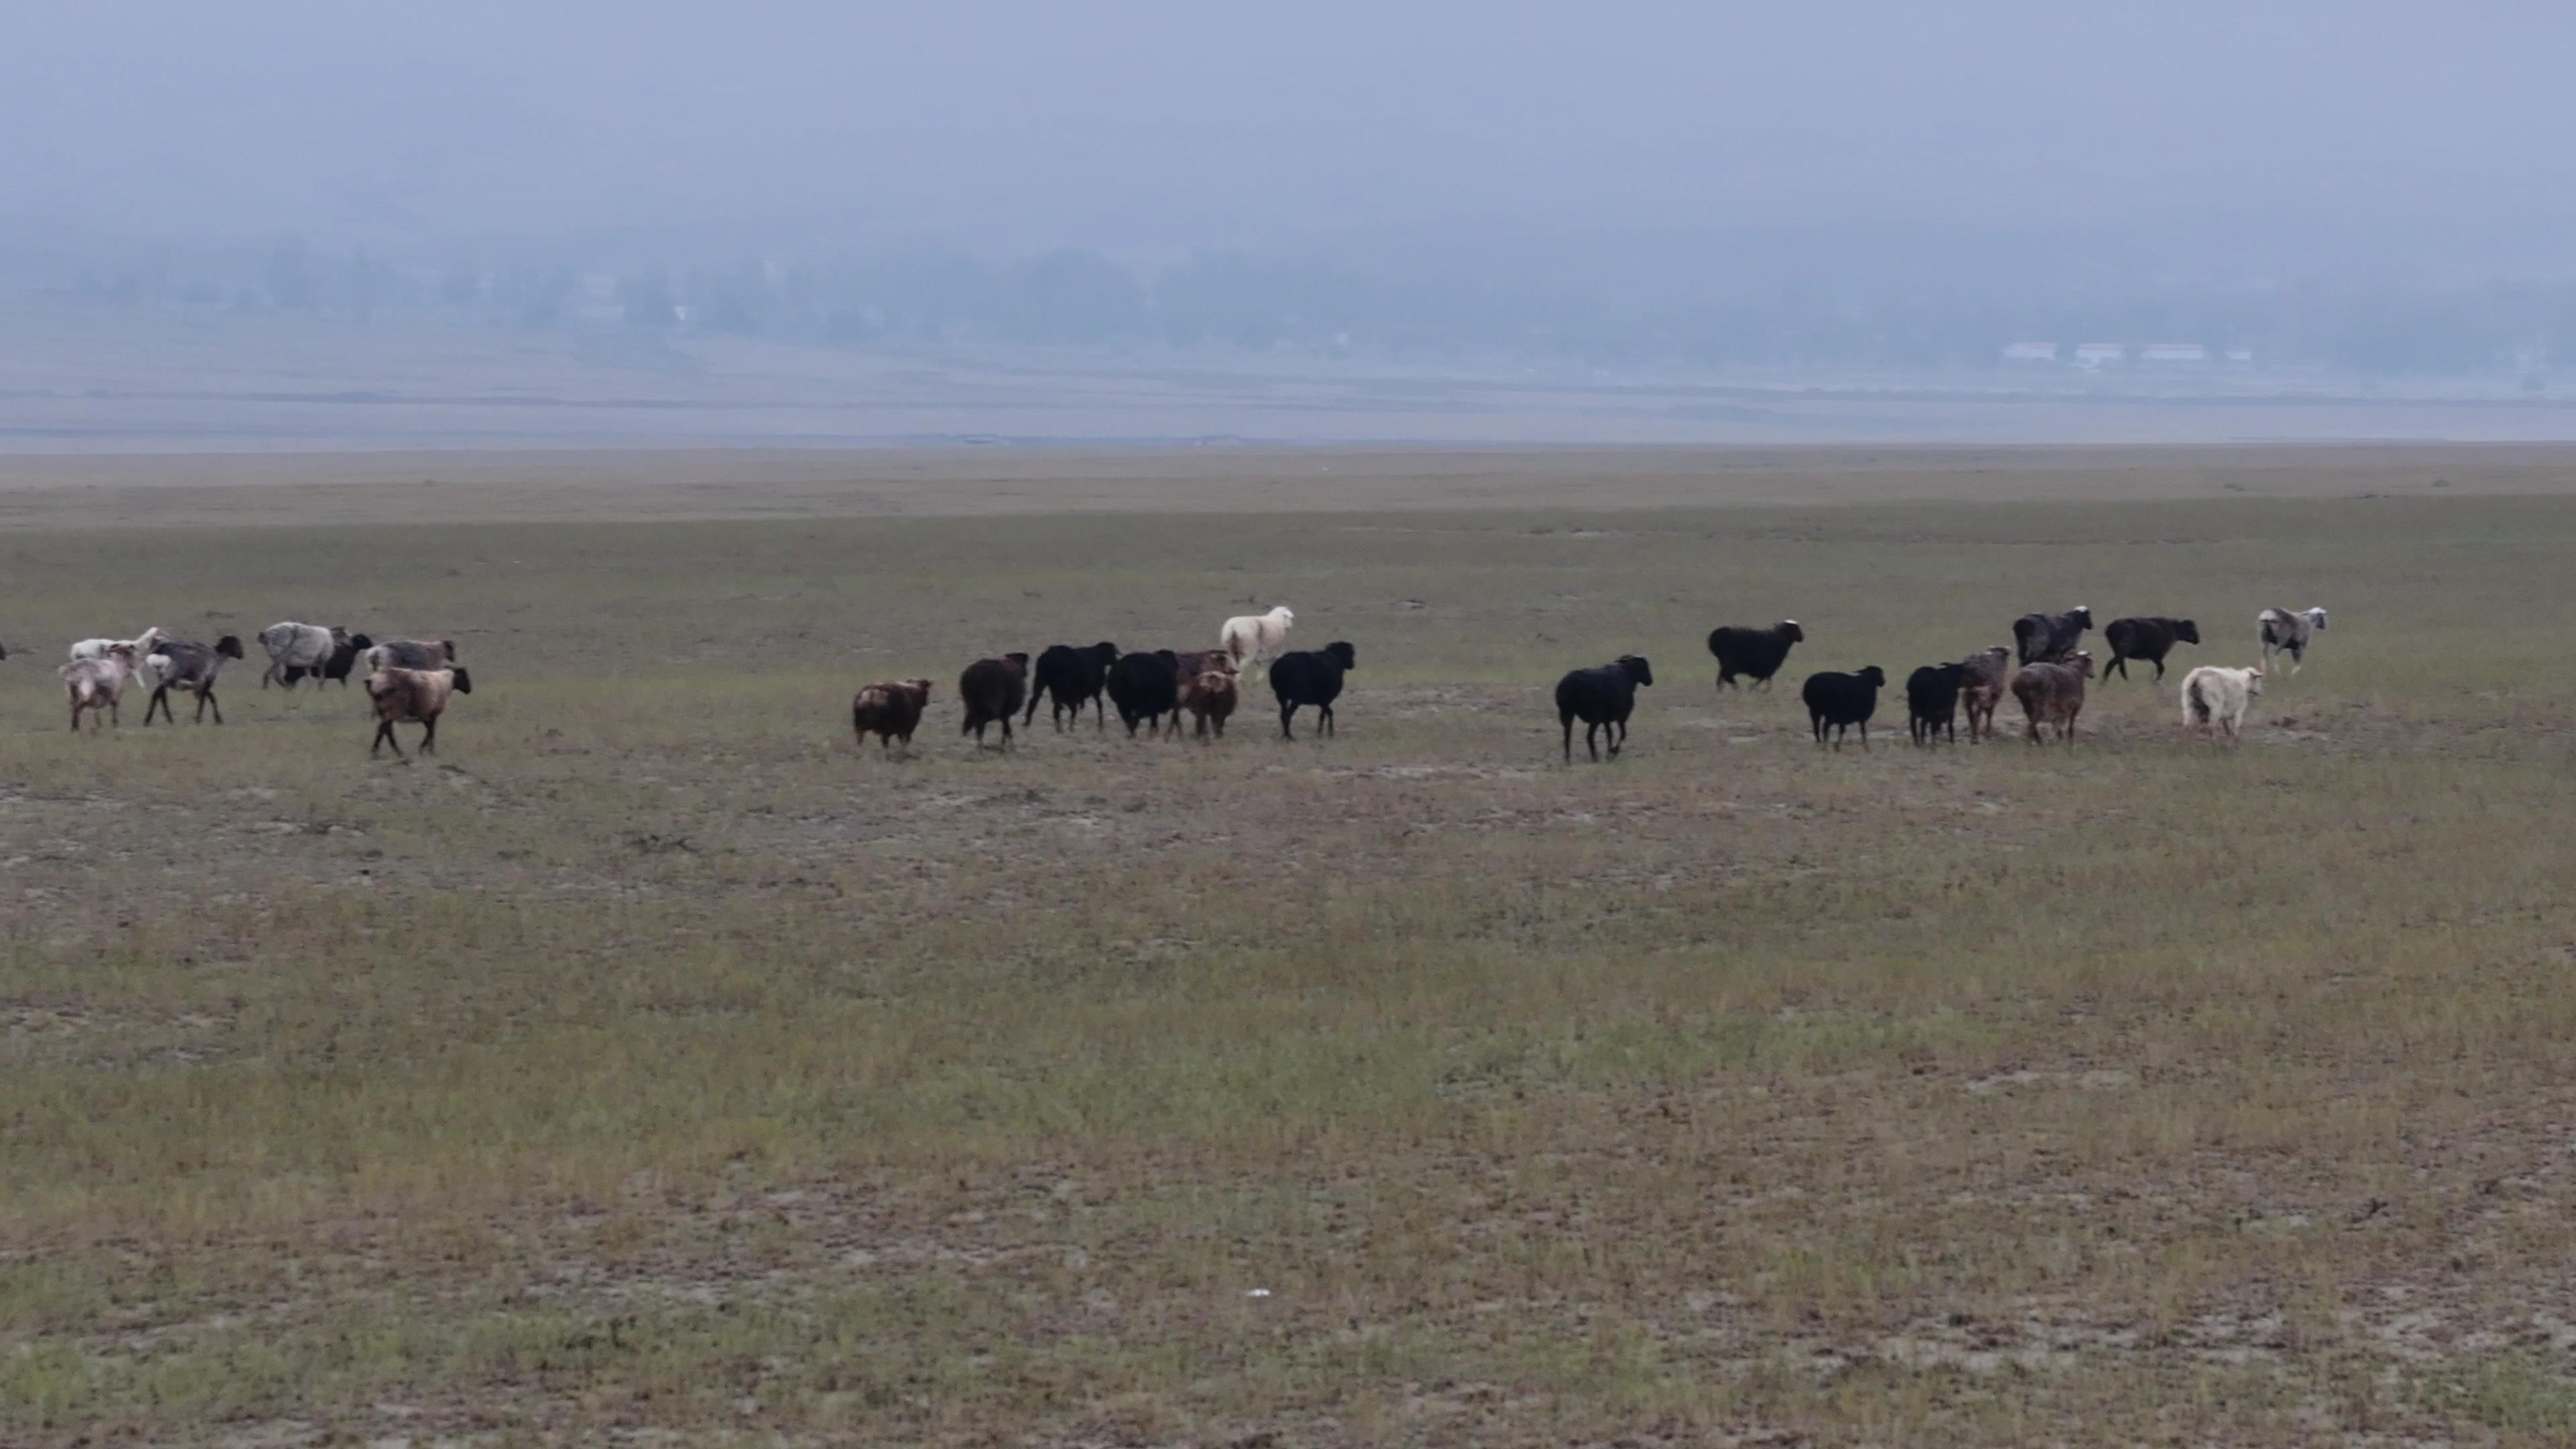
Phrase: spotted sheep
[188,665]
[2280,631]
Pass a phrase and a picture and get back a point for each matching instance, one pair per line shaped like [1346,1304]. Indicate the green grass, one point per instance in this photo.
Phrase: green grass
[654,1059]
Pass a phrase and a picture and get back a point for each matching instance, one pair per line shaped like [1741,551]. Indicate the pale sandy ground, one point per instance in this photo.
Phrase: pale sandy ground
[247,489]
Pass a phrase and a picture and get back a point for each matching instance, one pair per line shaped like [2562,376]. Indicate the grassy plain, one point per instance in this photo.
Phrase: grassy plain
[656,1061]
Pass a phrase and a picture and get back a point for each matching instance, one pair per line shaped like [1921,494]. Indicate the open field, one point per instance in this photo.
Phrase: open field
[655,1062]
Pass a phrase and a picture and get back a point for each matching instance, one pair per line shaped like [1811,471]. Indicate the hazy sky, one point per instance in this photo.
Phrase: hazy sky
[1152,126]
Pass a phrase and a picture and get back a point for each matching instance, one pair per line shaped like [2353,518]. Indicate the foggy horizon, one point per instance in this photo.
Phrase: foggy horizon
[1156,128]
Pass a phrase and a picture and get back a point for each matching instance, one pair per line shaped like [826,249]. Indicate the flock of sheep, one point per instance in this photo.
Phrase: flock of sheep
[2049,684]
[411,681]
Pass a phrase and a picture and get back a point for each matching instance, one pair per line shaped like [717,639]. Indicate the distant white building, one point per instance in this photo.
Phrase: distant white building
[2172,354]
[2042,352]
[2101,354]
[2240,357]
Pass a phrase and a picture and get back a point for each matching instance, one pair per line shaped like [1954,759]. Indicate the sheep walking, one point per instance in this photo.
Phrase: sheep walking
[296,650]
[1983,677]
[2280,631]
[889,709]
[2052,692]
[406,654]
[2215,699]
[1068,678]
[1146,687]
[2147,641]
[98,685]
[1249,639]
[1932,702]
[1210,698]
[1602,698]
[412,696]
[2046,638]
[142,644]
[186,664]
[991,690]
[1754,654]
[1311,676]
[1836,702]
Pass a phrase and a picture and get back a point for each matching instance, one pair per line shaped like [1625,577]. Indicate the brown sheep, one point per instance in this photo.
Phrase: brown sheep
[890,709]
[2052,692]
[1982,680]
[412,696]
[1210,697]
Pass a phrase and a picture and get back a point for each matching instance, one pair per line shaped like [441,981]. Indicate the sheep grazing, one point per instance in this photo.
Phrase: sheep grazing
[412,696]
[2052,692]
[297,650]
[1838,701]
[991,690]
[1069,678]
[2281,632]
[2048,637]
[1982,679]
[2214,699]
[98,685]
[402,654]
[190,666]
[1248,639]
[142,644]
[1754,654]
[1932,702]
[1210,696]
[1602,698]
[889,709]
[1145,687]
[1312,676]
[2146,640]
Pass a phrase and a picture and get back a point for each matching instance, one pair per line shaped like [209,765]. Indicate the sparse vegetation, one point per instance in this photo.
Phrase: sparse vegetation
[650,1062]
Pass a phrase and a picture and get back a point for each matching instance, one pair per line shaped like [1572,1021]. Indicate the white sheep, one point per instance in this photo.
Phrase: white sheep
[2214,699]
[1250,638]
[142,644]
[98,685]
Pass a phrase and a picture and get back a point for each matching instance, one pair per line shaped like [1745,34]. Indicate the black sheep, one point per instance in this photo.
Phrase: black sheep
[991,690]
[2051,637]
[1932,702]
[1311,676]
[1602,698]
[1839,701]
[1146,687]
[1070,677]
[2145,640]
[1756,654]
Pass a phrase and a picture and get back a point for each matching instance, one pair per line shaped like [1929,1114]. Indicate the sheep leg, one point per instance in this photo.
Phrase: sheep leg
[1288,712]
[160,700]
[384,736]
[206,699]
[429,735]
[1329,725]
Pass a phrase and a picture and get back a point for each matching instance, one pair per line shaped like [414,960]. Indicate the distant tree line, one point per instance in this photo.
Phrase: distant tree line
[1233,300]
